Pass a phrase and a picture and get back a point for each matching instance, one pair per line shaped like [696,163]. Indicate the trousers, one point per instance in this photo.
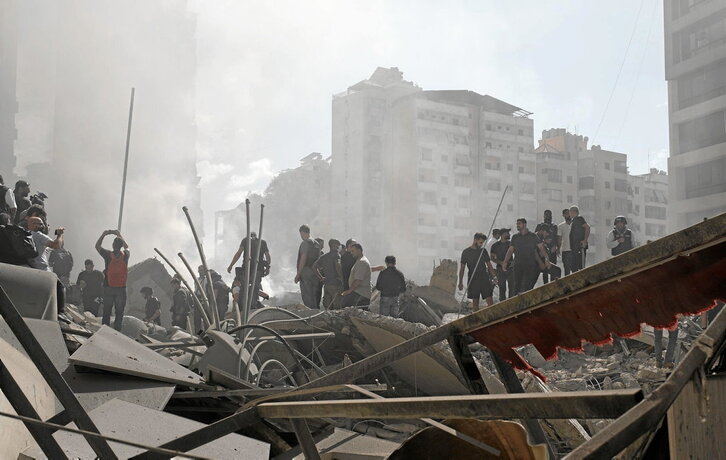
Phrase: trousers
[114,298]
[525,277]
[309,284]
[567,262]
[390,306]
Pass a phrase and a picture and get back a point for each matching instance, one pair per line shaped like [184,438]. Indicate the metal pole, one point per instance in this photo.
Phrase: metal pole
[248,249]
[204,299]
[126,160]
[256,261]
[197,302]
[213,303]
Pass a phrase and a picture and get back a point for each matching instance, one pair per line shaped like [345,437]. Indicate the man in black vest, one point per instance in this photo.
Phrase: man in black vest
[620,238]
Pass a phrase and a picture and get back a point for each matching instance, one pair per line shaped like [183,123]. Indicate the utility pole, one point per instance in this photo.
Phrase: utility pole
[126,160]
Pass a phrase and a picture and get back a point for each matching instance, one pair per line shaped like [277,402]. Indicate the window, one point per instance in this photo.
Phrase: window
[428,197]
[637,190]
[553,175]
[521,170]
[621,185]
[489,127]
[655,212]
[527,187]
[553,194]
[520,132]
[569,179]
[607,185]
[706,83]
[620,166]
[426,154]
[499,128]
[489,144]
[586,183]
[700,37]
[520,149]
[494,185]
[656,230]
[444,180]
[507,128]
[510,167]
[607,166]
[702,132]
[444,158]
[705,179]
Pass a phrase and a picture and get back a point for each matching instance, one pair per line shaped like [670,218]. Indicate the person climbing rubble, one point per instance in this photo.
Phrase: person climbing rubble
[91,282]
[116,274]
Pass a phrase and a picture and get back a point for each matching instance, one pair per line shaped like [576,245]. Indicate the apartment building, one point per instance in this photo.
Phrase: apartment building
[649,211]
[416,173]
[8,97]
[695,68]
[557,181]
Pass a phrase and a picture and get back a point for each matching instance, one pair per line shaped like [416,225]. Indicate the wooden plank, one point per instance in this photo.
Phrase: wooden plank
[648,413]
[575,404]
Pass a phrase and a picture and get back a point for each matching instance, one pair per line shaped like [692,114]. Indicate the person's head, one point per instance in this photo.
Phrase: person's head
[496,233]
[253,235]
[356,250]
[521,224]
[479,239]
[89,265]
[349,244]
[117,244]
[147,292]
[4,218]
[36,210]
[621,222]
[334,245]
[304,232]
[35,224]
[201,271]
[22,188]
[548,216]
[390,261]
[504,234]
[574,211]
[175,282]
[566,214]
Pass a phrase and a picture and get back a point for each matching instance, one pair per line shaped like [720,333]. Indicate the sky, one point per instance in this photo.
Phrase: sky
[268,71]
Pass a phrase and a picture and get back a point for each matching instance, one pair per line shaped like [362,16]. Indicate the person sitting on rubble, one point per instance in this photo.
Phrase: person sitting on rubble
[91,281]
[221,293]
[116,274]
[358,293]
[475,258]
[181,302]
[391,284]
[307,254]
[43,243]
[7,200]
[330,274]
[620,238]
[61,261]
[152,309]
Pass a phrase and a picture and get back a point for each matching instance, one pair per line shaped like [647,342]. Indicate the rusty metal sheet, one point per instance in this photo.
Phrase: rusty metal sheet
[109,350]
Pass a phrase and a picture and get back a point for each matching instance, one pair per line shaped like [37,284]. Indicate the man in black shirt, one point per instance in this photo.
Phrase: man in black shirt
[152,310]
[524,247]
[579,233]
[307,254]
[91,283]
[347,260]
[263,264]
[391,283]
[499,253]
[327,267]
[181,303]
[22,190]
[476,259]
[547,231]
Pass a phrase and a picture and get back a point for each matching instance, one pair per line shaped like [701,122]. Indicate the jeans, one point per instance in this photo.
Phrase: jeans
[355,300]
[578,259]
[567,262]
[114,298]
[331,299]
[309,284]
[92,304]
[505,279]
[670,350]
[525,277]
[390,306]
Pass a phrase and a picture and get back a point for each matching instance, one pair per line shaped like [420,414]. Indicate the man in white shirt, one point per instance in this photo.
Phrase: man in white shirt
[43,243]
[359,282]
[563,235]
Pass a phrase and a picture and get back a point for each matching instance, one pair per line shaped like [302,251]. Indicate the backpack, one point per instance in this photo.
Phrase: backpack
[16,245]
[117,270]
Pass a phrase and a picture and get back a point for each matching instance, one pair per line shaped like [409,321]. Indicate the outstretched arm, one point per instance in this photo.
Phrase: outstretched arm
[235,259]
[99,243]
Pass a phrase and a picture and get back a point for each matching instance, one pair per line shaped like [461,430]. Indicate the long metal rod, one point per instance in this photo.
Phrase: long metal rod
[305,439]
[648,413]
[51,375]
[256,263]
[197,302]
[204,300]
[200,248]
[246,263]
[90,434]
[19,402]
[126,160]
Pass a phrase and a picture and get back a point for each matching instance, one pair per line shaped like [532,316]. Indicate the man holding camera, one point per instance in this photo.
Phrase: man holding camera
[43,243]
[116,273]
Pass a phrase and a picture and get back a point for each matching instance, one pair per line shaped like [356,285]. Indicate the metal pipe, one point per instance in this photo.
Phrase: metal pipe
[274,361]
[126,160]
[256,261]
[246,264]
[204,300]
[197,302]
[213,303]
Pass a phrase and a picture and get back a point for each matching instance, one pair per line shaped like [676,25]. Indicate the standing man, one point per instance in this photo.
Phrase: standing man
[307,254]
[152,310]
[61,261]
[620,238]
[547,231]
[563,241]
[7,200]
[391,283]
[498,254]
[476,259]
[21,192]
[116,273]
[91,283]
[180,304]
[358,293]
[496,235]
[329,272]
[579,233]
[263,264]
[221,294]
[346,262]
[43,243]
[524,247]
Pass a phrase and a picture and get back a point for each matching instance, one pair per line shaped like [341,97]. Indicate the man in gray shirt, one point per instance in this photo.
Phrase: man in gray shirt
[359,293]
[43,243]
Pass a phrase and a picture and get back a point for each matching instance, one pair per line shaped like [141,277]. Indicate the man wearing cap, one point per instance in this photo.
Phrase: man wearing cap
[620,238]
[498,254]
[152,310]
[91,284]
[21,192]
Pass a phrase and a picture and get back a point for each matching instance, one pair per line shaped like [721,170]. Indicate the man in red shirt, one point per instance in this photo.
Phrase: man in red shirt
[115,275]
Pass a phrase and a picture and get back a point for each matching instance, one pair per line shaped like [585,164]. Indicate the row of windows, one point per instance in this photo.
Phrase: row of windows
[702,132]
[504,146]
[510,129]
[700,37]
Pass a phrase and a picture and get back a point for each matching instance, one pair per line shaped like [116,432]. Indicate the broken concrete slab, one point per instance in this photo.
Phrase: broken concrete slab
[343,444]
[110,350]
[35,293]
[140,424]
[444,276]
[437,298]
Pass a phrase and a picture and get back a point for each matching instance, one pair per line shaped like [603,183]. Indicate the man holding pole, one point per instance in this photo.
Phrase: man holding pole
[476,259]
[115,274]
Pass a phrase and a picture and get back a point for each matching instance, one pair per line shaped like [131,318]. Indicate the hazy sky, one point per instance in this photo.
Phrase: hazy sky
[268,70]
